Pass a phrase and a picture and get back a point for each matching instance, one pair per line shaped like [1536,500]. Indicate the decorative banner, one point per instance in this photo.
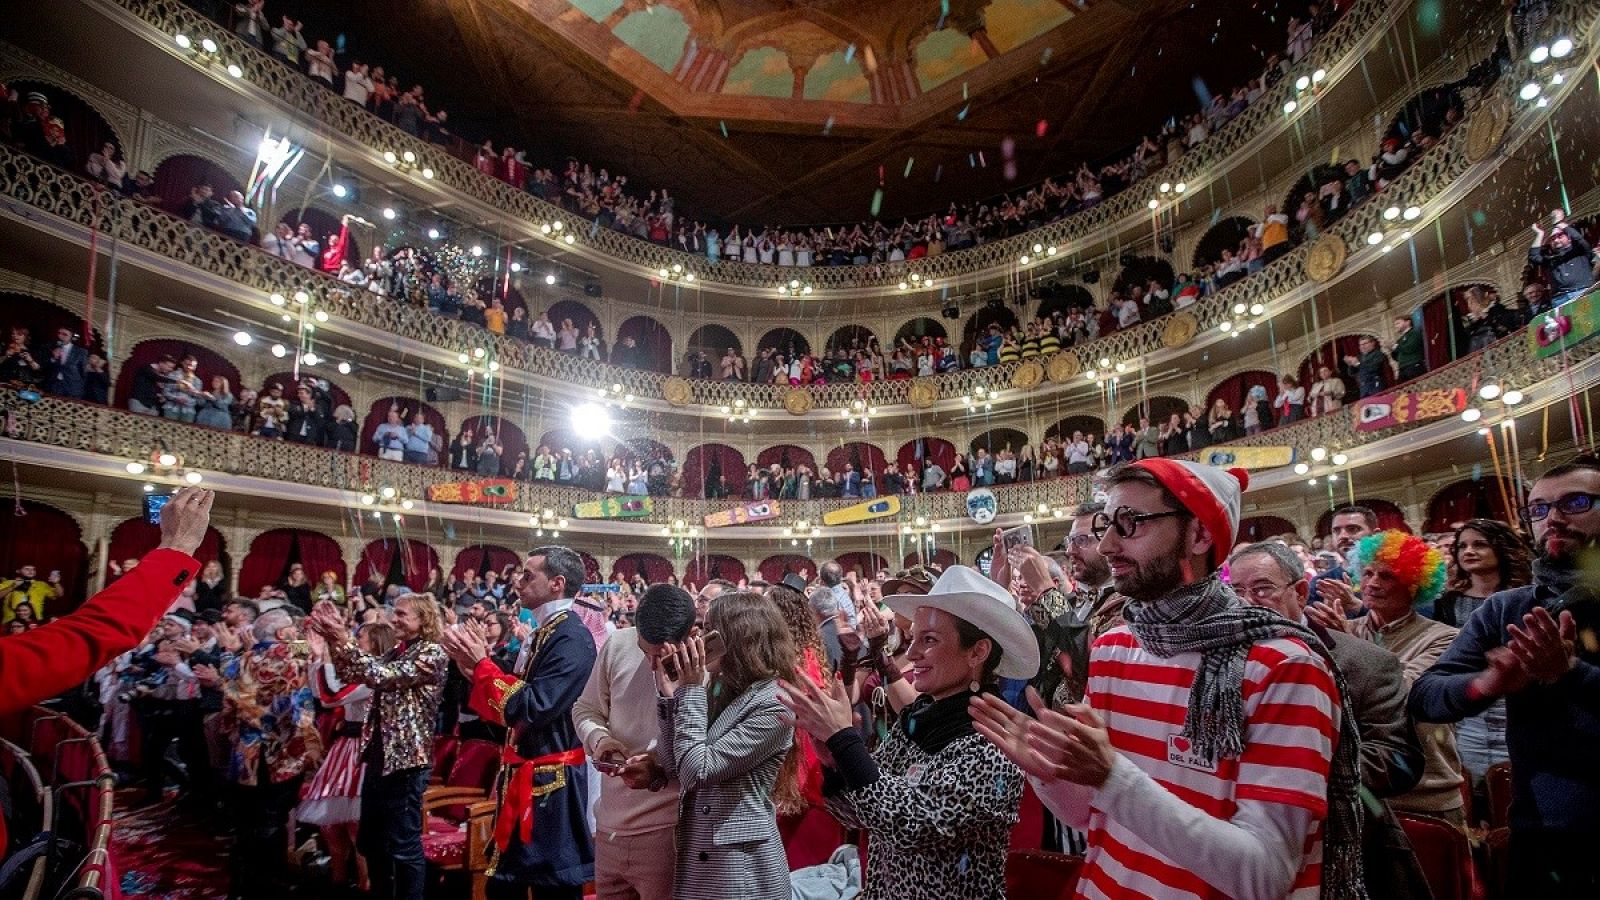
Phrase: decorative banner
[1572,323]
[625,506]
[982,505]
[1382,411]
[739,515]
[497,491]
[861,512]
[1248,457]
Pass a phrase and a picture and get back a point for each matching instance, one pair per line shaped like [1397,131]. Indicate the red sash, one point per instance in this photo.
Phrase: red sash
[516,801]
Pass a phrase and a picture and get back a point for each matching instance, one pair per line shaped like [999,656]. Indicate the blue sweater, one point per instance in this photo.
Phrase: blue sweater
[1553,731]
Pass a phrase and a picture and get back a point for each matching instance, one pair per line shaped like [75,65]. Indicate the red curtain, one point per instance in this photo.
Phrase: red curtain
[512,440]
[1332,354]
[417,559]
[786,455]
[135,537]
[996,439]
[773,568]
[47,539]
[860,454]
[379,412]
[41,318]
[702,569]
[267,561]
[146,352]
[1235,388]
[1389,517]
[653,567]
[1470,499]
[942,558]
[1158,409]
[86,130]
[483,557]
[938,450]
[698,465]
[862,562]
[654,343]
[320,553]
[340,396]
[1440,342]
[178,174]
[1260,528]
[591,568]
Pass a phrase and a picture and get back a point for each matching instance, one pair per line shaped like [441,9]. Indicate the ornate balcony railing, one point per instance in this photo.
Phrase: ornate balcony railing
[1335,53]
[128,436]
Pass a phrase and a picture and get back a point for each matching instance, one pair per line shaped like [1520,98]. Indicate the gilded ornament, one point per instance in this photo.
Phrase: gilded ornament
[798,401]
[1325,258]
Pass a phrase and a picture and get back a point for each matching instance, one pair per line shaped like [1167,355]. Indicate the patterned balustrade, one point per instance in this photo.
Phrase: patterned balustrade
[1339,50]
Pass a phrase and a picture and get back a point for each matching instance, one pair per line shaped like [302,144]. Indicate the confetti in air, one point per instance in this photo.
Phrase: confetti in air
[1040,129]
[635,100]
[877,201]
[849,52]
[938,171]
[910,160]
[1045,56]
[828,125]
[724,126]
[961,116]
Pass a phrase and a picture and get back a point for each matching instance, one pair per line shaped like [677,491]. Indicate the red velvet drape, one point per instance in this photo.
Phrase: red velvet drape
[417,560]
[484,557]
[864,563]
[862,455]
[320,553]
[1440,342]
[267,560]
[146,352]
[773,568]
[654,567]
[591,568]
[1236,387]
[942,558]
[702,569]
[177,175]
[47,539]
[938,450]
[512,440]
[698,466]
[786,455]
[1468,499]
[86,130]
[1261,528]
[340,396]
[133,538]
[378,413]
[654,343]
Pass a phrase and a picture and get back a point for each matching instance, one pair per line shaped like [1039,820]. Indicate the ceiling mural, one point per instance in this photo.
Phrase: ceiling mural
[945,54]
[761,72]
[659,33]
[838,77]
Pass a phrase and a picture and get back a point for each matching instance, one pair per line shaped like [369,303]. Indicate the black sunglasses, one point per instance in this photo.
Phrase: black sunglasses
[1569,504]
[1125,521]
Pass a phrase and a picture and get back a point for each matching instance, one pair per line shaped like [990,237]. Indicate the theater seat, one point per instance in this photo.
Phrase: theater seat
[458,815]
[1497,784]
[1041,875]
[444,756]
[1445,855]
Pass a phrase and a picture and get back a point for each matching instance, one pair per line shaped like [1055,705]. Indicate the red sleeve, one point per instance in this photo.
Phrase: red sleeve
[52,658]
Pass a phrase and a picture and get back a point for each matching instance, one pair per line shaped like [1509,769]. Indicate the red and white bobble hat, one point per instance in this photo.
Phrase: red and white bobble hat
[1212,494]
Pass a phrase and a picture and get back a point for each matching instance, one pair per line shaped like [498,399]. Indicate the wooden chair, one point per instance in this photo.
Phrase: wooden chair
[458,815]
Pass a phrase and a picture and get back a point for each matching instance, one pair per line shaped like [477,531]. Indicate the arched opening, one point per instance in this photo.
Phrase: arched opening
[50,540]
[773,568]
[1444,338]
[482,558]
[942,557]
[786,456]
[408,407]
[1060,299]
[1235,388]
[1227,234]
[563,439]
[133,538]
[404,561]
[851,338]
[653,345]
[1430,113]
[786,342]
[1389,516]
[714,341]
[917,329]
[864,563]
[271,554]
[1331,354]
[1157,409]
[1064,429]
[512,441]
[145,353]
[1311,183]
[43,319]
[178,175]
[978,323]
[702,569]
[1470,498]
[713,470]
[337,394]
[917,452]
[325,227]
[582,317]
[996,439]
[1263,528]
[644,450]
[1140,271]
[82,132]
[862,456]
[652,567]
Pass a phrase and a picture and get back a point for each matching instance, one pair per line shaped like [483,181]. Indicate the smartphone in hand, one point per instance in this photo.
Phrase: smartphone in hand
[1020,536]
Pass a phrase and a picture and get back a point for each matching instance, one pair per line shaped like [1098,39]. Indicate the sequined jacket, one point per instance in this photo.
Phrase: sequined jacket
[407,685]
[269,712]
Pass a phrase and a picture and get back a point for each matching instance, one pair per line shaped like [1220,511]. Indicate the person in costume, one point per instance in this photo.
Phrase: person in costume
[541,837]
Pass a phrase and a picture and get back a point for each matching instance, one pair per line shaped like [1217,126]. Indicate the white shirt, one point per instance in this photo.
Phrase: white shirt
[357,86]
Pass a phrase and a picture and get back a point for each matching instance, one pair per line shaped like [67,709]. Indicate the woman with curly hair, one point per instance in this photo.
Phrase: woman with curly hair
[1489,557]
[1399,572]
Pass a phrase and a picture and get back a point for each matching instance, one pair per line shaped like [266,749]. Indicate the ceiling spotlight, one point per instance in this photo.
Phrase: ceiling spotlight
[1392,213]
[1025,257]
[1319,453]
[550,279]
[1154,203]
[516,267]
[570,239]
[558,225]
[903,285]
[344,368]
[427,172]
[1539,54]
[301,297]
[1340,459]
[1375,238]
[242,338]
[1257,309]
[1181,186]
[688,276]
[433,234]
[477,250]
[193,477]
[388,493]
[1332,477]
[1489,391]
[149,488]
[1239,308]
[310,358]
[182,40]
[1471,414]
[340,191]
[368,499]
[1290,107]
[494,366]
[1412,212]
[320,316]
[407,504]
[1303,82]
[409,156]
[590,420]
[388,213]
[1530,90]
[462,357]
[208,45]
[135,468]
[1561,47]
[1312,482]
[662,271]
[280,351]
[1512,397]
[389,157]
[235,71]
[1226,326]
[478,353]
[277,299]
[167,459]
[1318,75]
[1301,468]
[1163,188]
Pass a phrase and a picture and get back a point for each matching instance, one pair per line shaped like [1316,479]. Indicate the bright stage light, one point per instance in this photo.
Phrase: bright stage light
[590,420]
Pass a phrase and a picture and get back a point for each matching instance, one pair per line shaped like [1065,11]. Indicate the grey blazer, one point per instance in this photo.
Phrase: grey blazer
[727,837]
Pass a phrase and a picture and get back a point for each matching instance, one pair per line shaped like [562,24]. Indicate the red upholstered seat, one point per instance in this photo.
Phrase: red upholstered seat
[1028,833]
[444,754]
[1041,875]
[444,843]
[810,837]
[1445,855]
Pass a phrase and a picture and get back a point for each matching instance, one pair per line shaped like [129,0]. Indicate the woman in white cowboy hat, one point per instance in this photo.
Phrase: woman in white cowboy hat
[937,800]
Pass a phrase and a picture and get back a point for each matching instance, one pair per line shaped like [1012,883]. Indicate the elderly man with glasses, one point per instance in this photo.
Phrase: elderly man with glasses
[1535,646]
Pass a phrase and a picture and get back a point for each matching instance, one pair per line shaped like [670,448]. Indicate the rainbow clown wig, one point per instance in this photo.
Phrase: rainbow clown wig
[1417,566]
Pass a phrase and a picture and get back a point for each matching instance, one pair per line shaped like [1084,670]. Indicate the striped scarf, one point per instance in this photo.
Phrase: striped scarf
[1209,618]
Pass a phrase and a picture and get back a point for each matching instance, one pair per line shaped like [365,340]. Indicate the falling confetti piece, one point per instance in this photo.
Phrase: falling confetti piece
[963,90]
[972,161]
[880,176]
[1045,56]
[1010,170]
[938,172]
[961,116]
[1008,148]
[724,126]
[1041,128]
[909,161]
[635,100]
[849,52]
[981,161]
[828,125]
[877,201]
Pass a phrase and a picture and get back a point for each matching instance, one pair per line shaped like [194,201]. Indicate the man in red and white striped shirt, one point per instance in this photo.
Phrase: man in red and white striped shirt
[1201,760]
